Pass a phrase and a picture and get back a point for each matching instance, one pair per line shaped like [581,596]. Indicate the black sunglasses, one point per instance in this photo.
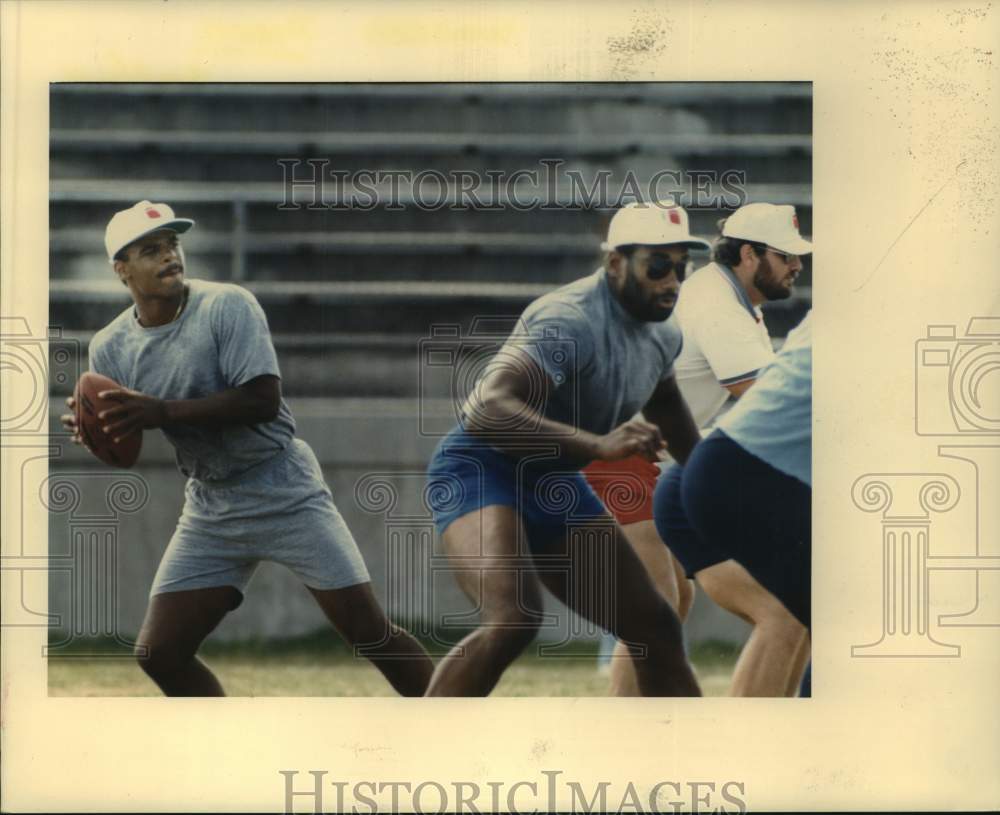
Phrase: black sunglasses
[660,266]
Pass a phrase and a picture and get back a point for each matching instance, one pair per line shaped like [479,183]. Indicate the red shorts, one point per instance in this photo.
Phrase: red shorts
[625,487]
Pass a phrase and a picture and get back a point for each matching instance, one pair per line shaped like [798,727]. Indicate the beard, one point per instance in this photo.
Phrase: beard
[637,302]
[768,283]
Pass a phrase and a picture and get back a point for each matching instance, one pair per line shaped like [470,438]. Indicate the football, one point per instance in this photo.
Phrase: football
[88,405]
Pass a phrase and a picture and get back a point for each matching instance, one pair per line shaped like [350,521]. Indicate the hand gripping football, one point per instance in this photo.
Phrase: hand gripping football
[88,405]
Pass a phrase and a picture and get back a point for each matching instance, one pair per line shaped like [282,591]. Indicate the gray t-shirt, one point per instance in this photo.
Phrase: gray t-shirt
[220,341]
[603,363]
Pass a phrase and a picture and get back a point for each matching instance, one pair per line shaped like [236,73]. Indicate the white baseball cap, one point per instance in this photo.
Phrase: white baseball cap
[656,223]
[138,221]
[771,224]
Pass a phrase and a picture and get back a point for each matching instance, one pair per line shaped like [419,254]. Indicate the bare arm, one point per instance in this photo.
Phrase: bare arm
[507,407]
[254,402]
[669,412]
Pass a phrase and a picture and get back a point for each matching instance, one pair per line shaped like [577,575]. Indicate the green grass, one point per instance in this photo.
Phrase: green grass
[320,665]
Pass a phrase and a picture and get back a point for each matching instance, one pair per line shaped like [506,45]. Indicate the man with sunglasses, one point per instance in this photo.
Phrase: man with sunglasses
[514,512]
[726,346]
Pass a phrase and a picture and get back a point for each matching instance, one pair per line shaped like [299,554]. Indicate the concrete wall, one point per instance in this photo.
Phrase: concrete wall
[374,461]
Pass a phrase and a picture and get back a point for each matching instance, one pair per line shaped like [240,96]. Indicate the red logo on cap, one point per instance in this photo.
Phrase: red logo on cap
[152,213]
[674,215]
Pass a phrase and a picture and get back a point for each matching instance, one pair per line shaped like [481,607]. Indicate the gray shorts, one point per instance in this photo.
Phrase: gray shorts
[281,511]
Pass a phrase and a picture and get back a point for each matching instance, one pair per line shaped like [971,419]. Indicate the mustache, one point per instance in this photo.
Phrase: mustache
[173,267]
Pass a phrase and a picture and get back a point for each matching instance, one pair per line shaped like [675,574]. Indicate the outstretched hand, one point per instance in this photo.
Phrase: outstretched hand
[636,437]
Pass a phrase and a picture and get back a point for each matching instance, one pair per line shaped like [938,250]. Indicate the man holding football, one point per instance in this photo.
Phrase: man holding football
[195,359]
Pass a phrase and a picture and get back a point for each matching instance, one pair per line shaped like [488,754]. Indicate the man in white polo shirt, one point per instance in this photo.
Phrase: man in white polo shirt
[725,340]
[726,346]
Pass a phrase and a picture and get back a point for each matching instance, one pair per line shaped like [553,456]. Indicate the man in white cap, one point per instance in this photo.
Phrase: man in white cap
[726,346]
[514,512]
[195,359]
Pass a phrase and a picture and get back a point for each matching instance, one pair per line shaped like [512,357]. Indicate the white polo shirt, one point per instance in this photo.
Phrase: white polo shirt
[725,340]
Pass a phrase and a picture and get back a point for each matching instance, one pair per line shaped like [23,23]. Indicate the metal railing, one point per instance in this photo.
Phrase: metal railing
[328,143]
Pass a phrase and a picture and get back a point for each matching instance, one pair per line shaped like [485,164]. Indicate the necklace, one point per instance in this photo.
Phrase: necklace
[180,308]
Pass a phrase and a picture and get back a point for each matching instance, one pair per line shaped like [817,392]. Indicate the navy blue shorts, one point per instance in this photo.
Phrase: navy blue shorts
[675,529]
[745,509]
[466,474]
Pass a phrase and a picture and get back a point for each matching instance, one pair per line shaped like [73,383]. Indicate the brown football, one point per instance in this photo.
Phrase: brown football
[88,405]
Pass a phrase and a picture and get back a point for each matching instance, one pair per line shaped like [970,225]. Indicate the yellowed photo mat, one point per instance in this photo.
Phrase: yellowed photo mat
[906,236]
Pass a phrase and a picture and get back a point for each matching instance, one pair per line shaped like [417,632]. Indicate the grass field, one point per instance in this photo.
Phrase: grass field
[319,668]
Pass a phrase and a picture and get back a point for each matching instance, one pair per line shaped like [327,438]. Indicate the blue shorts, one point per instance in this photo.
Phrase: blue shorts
[281,511]
[755,514]
[466,474]
[675,529]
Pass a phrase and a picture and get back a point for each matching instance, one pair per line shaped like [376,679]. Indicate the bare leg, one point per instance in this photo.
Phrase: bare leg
[799,662]
[356,614]
[506,590]
[773,659]
[659,563]
[641,616]
[685,590]
[175,626]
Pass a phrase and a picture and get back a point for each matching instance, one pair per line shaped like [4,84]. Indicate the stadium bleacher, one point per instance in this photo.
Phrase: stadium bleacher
[376,279]
[351,293]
